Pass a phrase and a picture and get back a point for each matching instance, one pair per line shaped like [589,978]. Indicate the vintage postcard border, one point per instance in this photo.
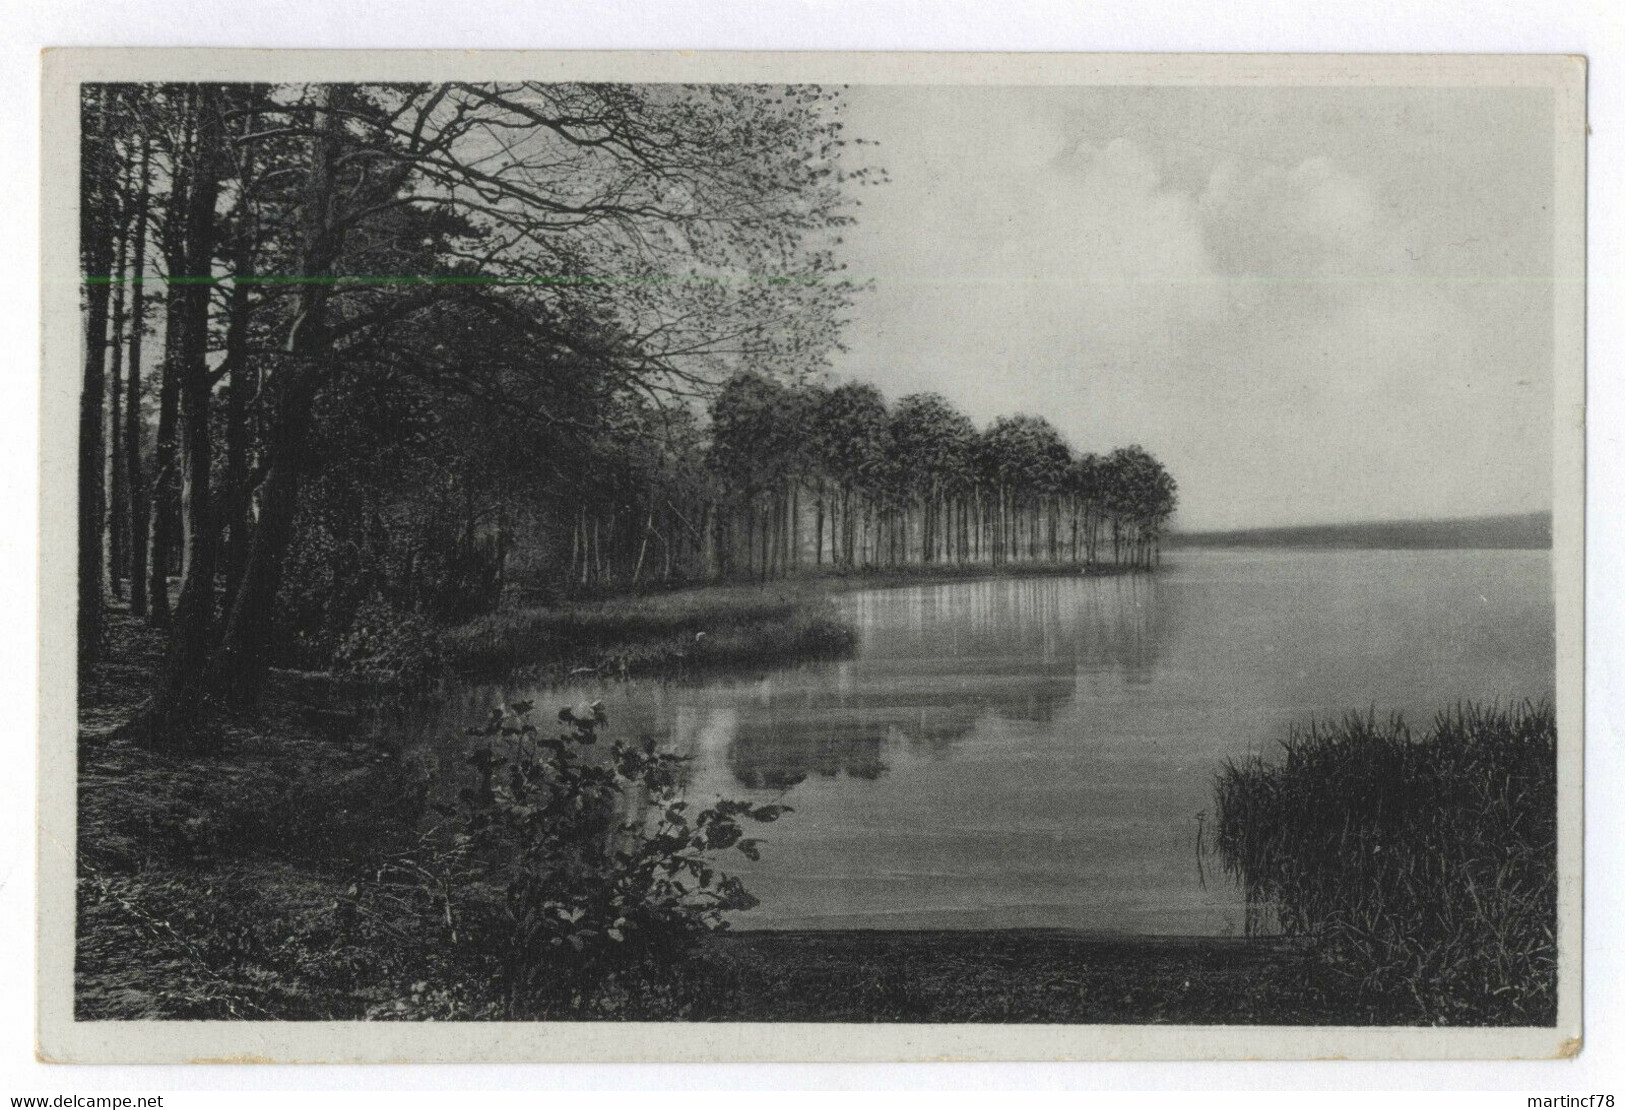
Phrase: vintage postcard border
[62,1039]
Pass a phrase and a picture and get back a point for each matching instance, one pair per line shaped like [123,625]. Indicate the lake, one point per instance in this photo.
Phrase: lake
[1040,752]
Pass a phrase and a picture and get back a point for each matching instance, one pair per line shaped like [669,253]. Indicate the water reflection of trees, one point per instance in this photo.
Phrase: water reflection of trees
[934,664]
[778,759]
[937,661]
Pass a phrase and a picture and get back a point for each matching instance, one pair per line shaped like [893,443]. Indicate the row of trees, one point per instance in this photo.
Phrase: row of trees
[918,483]
[518,271]
[788,476]
[433,505]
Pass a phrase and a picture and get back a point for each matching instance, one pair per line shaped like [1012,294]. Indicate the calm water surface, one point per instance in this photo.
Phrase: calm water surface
[1037,752]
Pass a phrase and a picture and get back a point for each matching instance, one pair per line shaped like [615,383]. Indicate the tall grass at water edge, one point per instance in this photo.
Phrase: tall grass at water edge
[1421,870]
[655,633]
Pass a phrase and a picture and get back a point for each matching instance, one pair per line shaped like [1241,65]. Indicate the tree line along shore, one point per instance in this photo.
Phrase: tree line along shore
[373,358]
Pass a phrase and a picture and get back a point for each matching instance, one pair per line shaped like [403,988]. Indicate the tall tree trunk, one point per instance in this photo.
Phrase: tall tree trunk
[818,528]
[792,530]
[643,548]
[245,652]
[96,258]
[135,511]
[175,713]
[236,500]
[165,459]
[767,524]
[118,501]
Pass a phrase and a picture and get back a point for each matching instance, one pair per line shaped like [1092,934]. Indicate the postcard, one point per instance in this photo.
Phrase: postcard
[854,557]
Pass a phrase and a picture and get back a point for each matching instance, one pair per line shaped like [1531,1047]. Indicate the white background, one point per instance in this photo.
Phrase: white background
[1592,27]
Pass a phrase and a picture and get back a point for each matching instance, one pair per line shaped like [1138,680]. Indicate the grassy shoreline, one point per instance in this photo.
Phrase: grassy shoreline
[692,629]
[653,634]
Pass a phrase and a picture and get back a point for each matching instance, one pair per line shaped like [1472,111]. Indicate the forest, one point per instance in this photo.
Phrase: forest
[432,349]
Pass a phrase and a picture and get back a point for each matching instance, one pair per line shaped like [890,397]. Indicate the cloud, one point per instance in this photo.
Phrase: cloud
[1124,256]
[1305,336]
[1314,228]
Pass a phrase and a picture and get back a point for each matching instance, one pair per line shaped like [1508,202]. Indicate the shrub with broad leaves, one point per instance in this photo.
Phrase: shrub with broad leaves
[389,647]
[583,875]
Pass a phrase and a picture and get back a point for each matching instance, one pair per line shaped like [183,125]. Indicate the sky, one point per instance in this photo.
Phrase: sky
[1313,304]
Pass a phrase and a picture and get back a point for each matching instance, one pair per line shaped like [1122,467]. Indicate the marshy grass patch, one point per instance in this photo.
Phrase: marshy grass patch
[1420,868]
[673,632]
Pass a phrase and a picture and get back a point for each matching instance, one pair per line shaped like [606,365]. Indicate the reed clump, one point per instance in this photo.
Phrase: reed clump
[1420,869]
[668,633]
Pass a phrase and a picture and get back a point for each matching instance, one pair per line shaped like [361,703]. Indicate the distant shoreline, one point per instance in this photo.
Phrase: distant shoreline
[1517,531]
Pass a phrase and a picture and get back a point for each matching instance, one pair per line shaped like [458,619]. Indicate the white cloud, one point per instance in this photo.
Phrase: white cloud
[1290,333]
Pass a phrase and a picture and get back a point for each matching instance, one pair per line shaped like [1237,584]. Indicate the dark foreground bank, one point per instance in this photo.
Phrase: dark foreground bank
[1012,975]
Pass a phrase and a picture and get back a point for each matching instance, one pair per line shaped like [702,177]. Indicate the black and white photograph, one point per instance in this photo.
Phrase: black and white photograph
[1007,548]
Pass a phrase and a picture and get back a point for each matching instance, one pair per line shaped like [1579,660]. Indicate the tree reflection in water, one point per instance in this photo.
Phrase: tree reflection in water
[933,663]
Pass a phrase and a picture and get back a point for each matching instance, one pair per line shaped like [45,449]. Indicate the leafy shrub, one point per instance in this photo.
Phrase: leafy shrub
[581,877]
[388,646]
[1423,871]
